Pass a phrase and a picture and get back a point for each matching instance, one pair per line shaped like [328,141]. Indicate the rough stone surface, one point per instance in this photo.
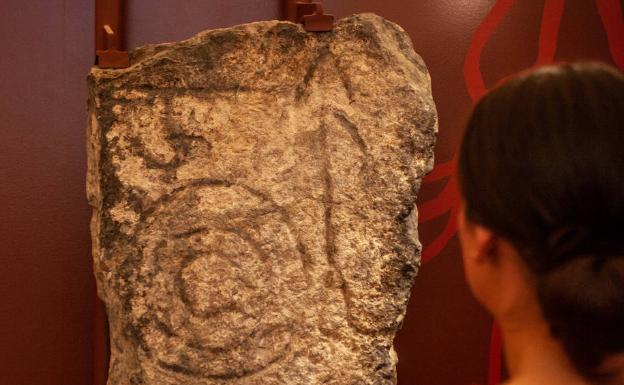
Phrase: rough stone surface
[253,194]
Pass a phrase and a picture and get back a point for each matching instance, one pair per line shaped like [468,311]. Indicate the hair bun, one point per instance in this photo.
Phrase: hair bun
[583,301]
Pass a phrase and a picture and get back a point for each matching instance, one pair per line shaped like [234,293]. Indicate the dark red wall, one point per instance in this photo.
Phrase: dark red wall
[46,289]
[47,303]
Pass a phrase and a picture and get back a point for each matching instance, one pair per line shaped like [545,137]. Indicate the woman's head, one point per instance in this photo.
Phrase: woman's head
[542,166]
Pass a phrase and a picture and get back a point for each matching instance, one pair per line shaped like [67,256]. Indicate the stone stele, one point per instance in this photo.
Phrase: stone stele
[253,193]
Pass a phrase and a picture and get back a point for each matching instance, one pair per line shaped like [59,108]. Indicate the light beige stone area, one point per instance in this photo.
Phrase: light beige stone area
[253,194]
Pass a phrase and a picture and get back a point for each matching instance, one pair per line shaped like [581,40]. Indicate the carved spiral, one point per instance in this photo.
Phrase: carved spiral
[216,261]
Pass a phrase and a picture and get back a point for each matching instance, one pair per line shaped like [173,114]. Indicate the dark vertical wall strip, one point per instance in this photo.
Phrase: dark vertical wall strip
[47,329]
[46,284]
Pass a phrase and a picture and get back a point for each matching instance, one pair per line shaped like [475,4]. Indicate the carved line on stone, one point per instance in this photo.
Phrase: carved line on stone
[256,330]
[346,82]
[353,131]
[305,255]
[168,197]
[181,286]
[241,374]
[328,201]
[330,231]
[311,70]
[306,259]
[216,88]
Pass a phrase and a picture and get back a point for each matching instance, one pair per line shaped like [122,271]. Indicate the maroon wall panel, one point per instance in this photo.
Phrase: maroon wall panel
[160,21]
[46,285]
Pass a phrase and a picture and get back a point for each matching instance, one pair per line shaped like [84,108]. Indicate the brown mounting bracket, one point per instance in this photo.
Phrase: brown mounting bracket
[109,27]
[310,14]
[109,33]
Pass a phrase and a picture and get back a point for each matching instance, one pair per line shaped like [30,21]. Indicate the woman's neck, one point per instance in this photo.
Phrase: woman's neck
[534,357]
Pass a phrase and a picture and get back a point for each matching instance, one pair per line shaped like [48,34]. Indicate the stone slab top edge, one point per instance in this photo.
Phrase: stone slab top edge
[148,53]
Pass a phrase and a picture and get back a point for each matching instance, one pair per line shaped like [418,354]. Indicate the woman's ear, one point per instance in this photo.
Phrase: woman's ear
[486,244]
[479,248]
[478,242]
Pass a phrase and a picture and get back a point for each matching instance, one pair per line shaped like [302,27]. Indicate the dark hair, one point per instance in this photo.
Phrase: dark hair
[542,165]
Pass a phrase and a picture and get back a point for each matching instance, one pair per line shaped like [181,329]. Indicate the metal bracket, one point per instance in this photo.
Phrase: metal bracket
[310,14]
[109,42]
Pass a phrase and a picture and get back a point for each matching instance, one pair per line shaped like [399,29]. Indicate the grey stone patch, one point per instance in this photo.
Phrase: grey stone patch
[253,194]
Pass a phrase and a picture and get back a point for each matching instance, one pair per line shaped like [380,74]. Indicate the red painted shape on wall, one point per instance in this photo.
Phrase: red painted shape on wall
[448,200]
[613,20]
[548,36]
[549,31]
[495,357]
[472,66]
